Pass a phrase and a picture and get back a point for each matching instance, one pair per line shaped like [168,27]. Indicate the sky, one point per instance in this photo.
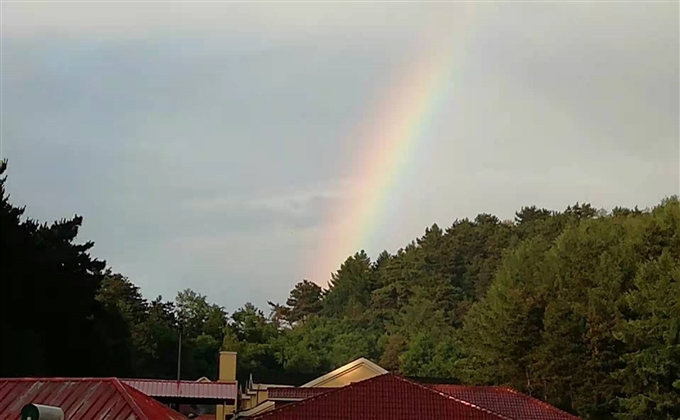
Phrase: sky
[236,148]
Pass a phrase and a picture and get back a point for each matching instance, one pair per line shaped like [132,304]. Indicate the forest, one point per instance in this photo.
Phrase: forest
[578,307]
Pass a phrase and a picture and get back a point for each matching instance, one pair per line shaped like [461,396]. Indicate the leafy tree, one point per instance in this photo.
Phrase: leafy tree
[394,346]
[119,293]
[192,312]
[306,348]
[254,337]
[205,357]
[120,297]
[304,300]
[430,348]
[161,332]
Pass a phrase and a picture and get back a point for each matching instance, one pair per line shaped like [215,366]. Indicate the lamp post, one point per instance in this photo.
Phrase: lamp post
[179,354]
[179,363]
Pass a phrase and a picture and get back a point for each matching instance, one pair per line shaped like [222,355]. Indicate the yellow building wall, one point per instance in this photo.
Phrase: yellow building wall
[355,375]
[255,398]
[222,410]
[262,395]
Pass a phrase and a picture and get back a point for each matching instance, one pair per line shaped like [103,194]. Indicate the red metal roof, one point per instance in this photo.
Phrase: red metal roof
[506,401]
[187,389]
[294,393]
[384,397]
[81,399]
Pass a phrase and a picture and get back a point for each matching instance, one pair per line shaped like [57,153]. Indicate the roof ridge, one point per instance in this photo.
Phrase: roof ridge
[468,403]
[124,391]
[185,381]
[59,379]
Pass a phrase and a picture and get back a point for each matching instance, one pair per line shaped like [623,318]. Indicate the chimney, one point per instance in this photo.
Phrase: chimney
[227,373]
[227,366]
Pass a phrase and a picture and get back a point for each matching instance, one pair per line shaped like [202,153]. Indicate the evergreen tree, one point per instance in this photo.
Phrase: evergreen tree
[45,271]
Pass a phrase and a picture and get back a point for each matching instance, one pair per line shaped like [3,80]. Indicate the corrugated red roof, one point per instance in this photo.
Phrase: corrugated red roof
[384,397]
[295,393]
[506,401]
[81,399]
[187,389]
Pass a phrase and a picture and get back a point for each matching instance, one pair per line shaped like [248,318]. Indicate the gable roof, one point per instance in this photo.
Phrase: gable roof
[360,362]
[81,399]
[506,401]
[384,397]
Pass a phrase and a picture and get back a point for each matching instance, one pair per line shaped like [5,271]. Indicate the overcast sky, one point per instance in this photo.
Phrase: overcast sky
[206,144]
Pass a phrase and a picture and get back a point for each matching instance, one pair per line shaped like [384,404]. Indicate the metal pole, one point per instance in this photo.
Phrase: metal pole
[179,354]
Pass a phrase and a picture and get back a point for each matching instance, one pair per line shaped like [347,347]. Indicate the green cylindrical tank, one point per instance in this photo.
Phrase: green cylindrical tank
[41,412]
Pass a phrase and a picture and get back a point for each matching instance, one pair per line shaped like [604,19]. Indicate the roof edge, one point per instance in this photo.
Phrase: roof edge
[183,381]
[343,369]
[60,379]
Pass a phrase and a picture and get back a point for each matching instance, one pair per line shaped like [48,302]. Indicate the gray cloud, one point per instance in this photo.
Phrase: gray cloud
[205,144]
[283,21]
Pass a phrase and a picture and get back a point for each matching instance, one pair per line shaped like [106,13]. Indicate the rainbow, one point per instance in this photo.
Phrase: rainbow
[391,139]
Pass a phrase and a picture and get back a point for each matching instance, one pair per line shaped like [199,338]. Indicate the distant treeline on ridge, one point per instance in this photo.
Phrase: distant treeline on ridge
[580,308]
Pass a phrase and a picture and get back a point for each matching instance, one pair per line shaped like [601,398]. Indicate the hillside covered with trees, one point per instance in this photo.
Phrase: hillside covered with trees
[580,308]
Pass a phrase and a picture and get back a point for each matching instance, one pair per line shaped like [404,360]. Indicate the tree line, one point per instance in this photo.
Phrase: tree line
[580,308]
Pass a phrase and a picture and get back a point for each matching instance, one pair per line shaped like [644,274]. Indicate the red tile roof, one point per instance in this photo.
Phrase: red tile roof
[188,389]
[81,399]
[506,401]
[294,393]
[384,397]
